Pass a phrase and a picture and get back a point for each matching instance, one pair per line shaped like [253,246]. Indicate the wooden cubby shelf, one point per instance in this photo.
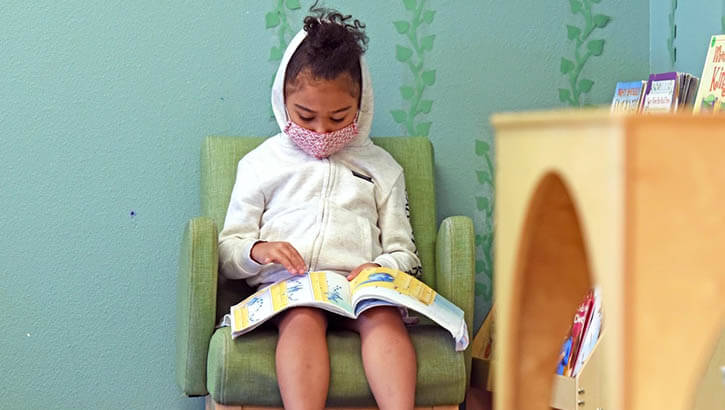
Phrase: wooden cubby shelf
[635,204]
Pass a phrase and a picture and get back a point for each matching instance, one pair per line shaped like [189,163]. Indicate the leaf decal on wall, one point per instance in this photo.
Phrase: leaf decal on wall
[403,53]
[672,33]
[400,116]
[293,4]
[586,85]
[596,47]
[584,49]
[272,19]
[410,5]
[425,106]
[567,66]
[278,20]
[600,20]
[573,32]
[427,42]
[402,26]
[484,237]
[412,54]
[407,92]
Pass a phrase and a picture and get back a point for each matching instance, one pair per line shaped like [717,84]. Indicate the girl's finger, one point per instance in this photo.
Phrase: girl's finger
[297,261]
[291,263]
[352,274]
[285,261]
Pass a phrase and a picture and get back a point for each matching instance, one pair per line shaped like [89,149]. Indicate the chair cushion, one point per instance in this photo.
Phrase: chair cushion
[242,372]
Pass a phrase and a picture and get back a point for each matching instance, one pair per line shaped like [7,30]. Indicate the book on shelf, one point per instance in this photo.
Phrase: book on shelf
[591,333]
[668,92]
[333,292]
[583,335]
[564,356]
[577,331]
[628,96]
[711,93]
[690,92]
[661,92]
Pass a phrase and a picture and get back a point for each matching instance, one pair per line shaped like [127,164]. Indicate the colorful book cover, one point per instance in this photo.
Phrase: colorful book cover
[627,96]
[591,333]
[711,93]
[661,92]
[577,330]
[564,355]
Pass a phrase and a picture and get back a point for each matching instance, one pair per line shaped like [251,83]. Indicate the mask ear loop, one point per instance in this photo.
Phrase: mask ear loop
[288,125]
[355,122]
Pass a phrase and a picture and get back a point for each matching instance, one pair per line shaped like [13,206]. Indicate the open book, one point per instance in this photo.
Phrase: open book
[332,291]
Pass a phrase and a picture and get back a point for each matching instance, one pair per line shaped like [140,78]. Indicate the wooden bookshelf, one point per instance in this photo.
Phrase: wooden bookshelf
[586,389]
[635,204]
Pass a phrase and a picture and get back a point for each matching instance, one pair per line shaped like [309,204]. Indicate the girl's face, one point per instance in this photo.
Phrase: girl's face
[322,105]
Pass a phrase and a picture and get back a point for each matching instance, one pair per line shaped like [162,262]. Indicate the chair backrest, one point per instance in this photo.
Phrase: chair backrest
[219,159]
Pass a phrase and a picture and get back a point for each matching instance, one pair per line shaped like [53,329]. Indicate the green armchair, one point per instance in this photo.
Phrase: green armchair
[241,372]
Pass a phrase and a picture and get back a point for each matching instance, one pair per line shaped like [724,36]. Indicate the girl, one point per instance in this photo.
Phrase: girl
[321,196]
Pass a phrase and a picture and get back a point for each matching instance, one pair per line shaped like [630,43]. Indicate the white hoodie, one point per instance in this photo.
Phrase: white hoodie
[338,212]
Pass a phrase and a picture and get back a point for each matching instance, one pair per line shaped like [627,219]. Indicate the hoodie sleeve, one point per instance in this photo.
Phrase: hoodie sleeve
[241,226]
[396,234]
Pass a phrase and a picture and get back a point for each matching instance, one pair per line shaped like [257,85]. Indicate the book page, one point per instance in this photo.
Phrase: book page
[331,288]
[326,290]
[402,289]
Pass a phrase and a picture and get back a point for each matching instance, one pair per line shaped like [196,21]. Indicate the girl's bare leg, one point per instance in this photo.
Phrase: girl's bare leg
[302,360]
[388,357]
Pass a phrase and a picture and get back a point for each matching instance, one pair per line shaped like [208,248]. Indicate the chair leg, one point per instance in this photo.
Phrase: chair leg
[212,405]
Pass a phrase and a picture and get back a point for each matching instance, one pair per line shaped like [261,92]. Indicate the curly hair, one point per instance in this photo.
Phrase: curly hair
[333,46]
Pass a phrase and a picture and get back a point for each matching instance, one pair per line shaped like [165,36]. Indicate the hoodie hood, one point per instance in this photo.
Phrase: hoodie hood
[365,118]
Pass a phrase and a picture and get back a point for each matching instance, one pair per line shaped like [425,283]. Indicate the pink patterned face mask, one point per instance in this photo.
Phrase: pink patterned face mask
[321,145]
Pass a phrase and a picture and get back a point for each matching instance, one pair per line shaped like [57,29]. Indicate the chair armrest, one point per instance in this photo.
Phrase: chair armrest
[196,303]
[456,268]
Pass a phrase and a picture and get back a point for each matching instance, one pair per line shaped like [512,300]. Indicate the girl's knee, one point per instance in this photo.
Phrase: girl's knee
[303,318]
[382,312]
[387,316]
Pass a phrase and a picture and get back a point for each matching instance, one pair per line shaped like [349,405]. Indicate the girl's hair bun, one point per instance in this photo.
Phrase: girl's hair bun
[333,46]
[330,28]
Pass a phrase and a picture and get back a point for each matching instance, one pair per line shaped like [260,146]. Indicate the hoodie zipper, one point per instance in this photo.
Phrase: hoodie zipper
[324,195]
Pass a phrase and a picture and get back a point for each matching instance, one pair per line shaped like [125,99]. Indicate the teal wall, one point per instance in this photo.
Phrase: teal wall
[696,22]
[102,110]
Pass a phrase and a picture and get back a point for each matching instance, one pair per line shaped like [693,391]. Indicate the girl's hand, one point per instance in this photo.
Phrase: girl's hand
[360,268]
[279,252]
